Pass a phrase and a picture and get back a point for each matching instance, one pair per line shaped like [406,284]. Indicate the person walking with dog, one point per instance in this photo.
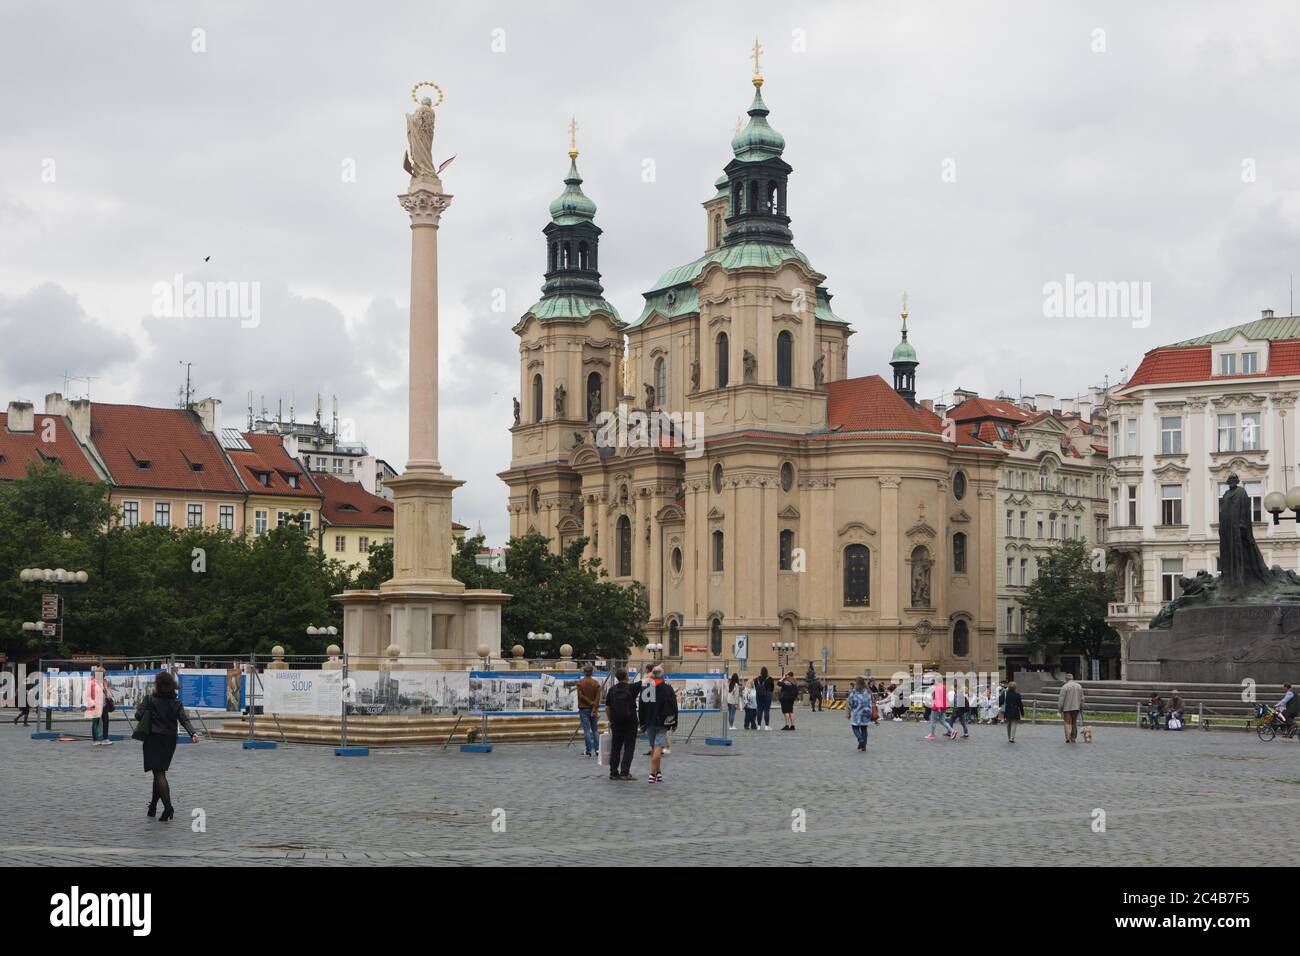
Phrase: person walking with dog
[1013,710]
[1070,703]
[157,717]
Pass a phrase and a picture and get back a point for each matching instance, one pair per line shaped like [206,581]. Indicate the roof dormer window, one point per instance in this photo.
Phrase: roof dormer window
[263,478]
[140,460]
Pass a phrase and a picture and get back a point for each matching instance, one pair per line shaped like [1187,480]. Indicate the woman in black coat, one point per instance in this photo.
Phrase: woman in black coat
[1013,708]
[164,712]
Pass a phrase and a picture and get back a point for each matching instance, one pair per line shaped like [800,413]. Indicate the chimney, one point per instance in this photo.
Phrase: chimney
[56,404]
[209,412]
[1266,314]
[78,412]
[927,404]
[21,416]
[291,445]
[962,394]
[940,408]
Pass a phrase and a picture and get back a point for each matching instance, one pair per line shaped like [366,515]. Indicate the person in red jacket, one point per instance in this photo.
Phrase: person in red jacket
[938,706]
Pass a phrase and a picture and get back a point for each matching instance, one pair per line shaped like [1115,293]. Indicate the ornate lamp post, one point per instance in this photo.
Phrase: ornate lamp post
[315,631]
[1275,503]
[545,637]
[783,651]
[656,651]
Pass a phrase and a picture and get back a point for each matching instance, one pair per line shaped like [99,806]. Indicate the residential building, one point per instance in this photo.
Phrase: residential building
[1191,414]
[1050,488]
[280,489]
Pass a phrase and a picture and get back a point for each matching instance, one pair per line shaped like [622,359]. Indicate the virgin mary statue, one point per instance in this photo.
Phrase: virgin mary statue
[419,137]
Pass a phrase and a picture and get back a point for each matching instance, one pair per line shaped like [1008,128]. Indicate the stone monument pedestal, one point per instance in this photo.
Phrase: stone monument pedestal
[1220,644]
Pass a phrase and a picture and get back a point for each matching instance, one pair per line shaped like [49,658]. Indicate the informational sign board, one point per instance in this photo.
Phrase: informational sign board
[213,689]
[740,647]
[308,693]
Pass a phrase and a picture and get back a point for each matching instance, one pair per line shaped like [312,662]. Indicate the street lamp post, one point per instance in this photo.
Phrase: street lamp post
[1275,503]
[51,623]
[783,650]
[315,631]
[543,636]
[656,651]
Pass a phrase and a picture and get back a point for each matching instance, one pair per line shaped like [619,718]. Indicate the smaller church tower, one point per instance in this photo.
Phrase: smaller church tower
[904,362]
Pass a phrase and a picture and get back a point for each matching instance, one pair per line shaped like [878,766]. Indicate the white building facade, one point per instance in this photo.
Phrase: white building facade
[1191,414]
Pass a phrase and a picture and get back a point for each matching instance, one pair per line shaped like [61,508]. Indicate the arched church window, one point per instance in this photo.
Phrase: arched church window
[724,359]
[554,255]
[786,553]
[773,204]
[719,551]
[583,256]
[717,230]
[857,575]
[754,190]
[624,547]
[960,639]
[715,637]
[959,553]
[535,501]
[785,359]
[566,256]
[737,198]
[593,396]
[661,381]
[537,398]
[674,639]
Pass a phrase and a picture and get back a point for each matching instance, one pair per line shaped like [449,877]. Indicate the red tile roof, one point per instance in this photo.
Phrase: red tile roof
[1194,364]
[348,505]
[164,448]
[870,404]
[976,408]
[18,449]
[269,458]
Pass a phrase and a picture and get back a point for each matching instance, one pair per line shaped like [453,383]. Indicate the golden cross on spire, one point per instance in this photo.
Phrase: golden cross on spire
[758,71]
[904,306]
[573,137]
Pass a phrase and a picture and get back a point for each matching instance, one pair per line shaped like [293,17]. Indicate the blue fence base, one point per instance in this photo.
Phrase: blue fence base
[46,735]
[117,736]
[184,739]
[352,751]
[258,744]
[717,741]
[476,748]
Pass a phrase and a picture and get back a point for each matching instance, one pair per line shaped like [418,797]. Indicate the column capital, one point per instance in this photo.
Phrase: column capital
[424,206]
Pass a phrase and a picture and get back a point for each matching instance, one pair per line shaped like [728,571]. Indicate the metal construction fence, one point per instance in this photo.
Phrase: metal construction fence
[331,689]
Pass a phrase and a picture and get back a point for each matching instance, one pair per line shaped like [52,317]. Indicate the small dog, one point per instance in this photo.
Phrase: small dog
[1087,734]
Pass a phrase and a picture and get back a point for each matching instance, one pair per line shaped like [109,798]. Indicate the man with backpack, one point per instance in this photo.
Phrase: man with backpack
[658,716]
[621,710]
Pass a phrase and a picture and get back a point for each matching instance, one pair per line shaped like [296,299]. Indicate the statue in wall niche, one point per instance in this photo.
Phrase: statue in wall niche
[1241,566]
[819,370]
[649,397]
[695,375]
[516,401]
[921,578]
[579,438]
[750,364]
[593,404]
[559,400]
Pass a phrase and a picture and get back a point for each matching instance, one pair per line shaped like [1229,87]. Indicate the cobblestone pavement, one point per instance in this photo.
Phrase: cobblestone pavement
[1169,798]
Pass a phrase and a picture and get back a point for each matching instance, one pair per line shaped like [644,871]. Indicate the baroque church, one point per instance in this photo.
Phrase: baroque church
[837,516]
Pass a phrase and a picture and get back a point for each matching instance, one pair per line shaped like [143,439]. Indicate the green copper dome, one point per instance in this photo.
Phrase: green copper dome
[572,206]
[903,352]
[757,141]
[720,184]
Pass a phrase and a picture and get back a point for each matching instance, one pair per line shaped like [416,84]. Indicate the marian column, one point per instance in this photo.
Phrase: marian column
[422,493]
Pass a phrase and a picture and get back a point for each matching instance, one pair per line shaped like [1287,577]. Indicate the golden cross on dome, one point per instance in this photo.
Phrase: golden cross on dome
[904,305]
[573,138]
[758,72]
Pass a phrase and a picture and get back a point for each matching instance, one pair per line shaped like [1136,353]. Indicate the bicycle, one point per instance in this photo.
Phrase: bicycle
[1269,723]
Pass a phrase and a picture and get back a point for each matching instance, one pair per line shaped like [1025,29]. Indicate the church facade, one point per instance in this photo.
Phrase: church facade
[781,501]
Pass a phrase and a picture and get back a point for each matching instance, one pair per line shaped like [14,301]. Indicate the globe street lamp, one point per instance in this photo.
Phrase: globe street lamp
[52,576]
[1275,503]
[783,650]
[330,631]
[543,636]
[656,651]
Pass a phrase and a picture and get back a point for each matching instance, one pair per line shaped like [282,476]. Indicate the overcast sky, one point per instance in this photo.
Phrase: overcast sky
[967,152]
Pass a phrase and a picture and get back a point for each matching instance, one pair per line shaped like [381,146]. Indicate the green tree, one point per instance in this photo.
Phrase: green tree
[570,597]
[379,567]
[1066,603]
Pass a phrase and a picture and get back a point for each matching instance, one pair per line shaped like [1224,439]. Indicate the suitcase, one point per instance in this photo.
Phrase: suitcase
[602,751]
